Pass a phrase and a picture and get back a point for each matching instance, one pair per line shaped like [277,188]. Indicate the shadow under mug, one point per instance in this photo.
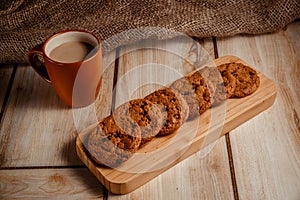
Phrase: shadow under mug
[76,83]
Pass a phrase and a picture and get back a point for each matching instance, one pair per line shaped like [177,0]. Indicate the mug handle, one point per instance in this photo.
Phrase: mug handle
[34,58]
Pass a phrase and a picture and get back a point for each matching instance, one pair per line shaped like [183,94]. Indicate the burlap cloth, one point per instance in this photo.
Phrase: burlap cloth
[24,24]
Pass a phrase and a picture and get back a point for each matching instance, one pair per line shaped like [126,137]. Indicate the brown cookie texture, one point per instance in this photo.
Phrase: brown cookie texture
[174,109]
[184,87]
[196,93]
[146,114]
[244,79]
[109,145]
[228,79]
[215,84]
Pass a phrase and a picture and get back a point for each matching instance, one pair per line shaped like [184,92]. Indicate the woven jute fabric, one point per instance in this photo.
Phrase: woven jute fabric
[25,24]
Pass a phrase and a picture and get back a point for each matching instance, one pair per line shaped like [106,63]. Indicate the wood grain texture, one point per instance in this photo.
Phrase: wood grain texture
[204,174]
[76,183]
[5,75]
[190,138]
[266,150]
[38,129]
[197,177]
[149,65]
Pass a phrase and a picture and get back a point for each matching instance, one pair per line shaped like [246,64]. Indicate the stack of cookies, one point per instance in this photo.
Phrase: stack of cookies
[120,135]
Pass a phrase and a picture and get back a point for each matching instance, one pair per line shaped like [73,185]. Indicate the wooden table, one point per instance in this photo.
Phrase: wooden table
[258,160]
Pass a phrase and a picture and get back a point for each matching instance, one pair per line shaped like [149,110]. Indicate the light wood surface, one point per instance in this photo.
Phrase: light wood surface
[164,152]
[5,74]
[258,160]
[204,175]
[211,164]
[267,166]
[37,128]
[30,105]
[77,183]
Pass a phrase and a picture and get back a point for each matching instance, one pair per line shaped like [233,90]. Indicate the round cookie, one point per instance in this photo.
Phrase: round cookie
[215,84]
[109,145]
[174,109]
[228,79]
[196,93]
[146,114]
[244,78]
[202,91]
[184,87]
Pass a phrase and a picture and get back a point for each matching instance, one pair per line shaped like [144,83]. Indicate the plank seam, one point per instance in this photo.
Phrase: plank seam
[231,165]
[215,47]
[5,143]
[105,193]
[227,138]
[115,78]
[44,167]
[7,93]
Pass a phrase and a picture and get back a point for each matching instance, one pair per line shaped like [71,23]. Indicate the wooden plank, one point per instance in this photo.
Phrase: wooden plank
[76,183]
[196,177]
[158,63]
[5,75]
[38,129]
[266,150]
[150,161]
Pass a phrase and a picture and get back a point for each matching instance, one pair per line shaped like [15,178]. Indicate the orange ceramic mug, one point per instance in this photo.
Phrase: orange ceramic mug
[72,64]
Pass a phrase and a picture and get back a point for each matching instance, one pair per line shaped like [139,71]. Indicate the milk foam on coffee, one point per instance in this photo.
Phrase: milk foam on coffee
[69,52]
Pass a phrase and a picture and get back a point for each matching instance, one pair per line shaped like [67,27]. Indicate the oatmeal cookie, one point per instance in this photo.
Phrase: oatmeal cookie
[146,114]
[174,109]
[215,84]
[228,79]
[240,80]
[196,93]
[109,145]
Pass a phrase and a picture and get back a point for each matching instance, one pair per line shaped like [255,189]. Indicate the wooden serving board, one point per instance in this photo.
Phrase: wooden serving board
[164,152]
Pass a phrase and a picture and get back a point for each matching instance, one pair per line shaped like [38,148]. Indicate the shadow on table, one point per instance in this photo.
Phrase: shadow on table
[82,173]
[28,91]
